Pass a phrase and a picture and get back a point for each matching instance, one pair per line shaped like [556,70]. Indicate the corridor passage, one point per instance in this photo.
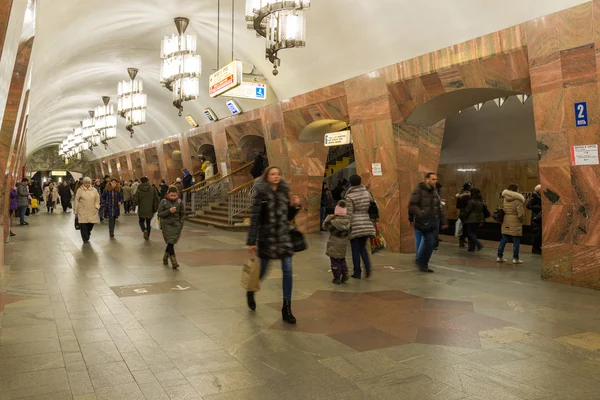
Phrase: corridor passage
[107,321]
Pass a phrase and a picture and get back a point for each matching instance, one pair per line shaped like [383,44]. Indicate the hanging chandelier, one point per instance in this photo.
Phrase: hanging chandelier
[131,101]
[181,66]
[89,133]
[106,122]
[281,22]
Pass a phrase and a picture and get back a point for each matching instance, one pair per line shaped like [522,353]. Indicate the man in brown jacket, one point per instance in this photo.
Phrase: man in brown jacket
[426,206]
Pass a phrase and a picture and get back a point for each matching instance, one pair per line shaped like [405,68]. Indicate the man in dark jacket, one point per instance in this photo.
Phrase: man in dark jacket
[426,206]
[146,200]
[462,199]
[36,193]
[535,205]
[64,191]
[23,199]
[104,183]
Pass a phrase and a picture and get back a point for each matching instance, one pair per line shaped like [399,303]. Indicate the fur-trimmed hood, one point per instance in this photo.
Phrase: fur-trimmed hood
[262,186]
[509,195]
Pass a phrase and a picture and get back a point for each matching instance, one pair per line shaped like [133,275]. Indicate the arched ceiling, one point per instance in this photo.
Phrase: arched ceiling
[83,49]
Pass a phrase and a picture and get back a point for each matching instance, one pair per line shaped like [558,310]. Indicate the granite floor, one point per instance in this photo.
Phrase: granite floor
[107,321]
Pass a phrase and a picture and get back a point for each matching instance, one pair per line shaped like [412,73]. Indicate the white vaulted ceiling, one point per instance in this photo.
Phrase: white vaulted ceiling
[84,47]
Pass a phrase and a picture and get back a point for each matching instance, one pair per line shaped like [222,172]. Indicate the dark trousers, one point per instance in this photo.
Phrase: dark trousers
[472,234]
[111,225]
[86,231]
[426,249]
[65,205]
[22,210]
[359,250]
[127,206]
[537,239]
[170,250]
[338,267]
[145,224]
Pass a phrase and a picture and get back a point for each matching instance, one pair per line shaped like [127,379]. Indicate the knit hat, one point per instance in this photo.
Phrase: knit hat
[340,209]
[538,188]
[178,180]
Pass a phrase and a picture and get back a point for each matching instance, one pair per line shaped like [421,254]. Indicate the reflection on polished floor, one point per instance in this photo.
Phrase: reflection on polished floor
[108,321]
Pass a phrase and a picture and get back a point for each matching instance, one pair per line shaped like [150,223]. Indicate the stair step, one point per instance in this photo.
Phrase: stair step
[219,218]
[224,226]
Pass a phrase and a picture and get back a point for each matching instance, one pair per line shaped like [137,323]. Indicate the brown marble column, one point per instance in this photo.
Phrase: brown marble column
[5,7]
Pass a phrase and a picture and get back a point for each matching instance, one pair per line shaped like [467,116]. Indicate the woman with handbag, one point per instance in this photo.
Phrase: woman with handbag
[87,204]
[272,212]
[50,197]
[110,202]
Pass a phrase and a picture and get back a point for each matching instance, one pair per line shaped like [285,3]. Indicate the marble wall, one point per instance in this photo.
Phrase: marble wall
[553,58]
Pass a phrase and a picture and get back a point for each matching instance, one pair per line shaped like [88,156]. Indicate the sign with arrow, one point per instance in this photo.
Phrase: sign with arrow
[145,289]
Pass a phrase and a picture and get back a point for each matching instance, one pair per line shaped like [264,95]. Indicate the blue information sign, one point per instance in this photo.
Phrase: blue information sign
[260,92]
[581,116]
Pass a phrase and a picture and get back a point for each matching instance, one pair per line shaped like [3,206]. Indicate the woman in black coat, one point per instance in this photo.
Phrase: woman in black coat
[535,205]
[272,212]
[64,191]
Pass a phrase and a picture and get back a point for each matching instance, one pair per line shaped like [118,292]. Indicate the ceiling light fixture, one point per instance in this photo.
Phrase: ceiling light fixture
[210,114]
[106,122]
[479,106]
[281,22]
[90,134]
[131,101]
[181,66]
[523,98]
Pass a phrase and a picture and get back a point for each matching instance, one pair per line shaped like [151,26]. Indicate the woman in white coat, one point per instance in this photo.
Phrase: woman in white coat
[87,204]
[50,197]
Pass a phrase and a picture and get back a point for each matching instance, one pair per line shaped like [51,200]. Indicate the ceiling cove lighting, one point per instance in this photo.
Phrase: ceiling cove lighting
[131,101]
[281,22]
[106,122]
[181,67]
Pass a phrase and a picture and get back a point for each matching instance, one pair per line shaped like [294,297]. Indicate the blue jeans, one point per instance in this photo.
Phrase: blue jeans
[426,248]
[359,250]
[516,245]
[418,240]
[22,211]
[286,268]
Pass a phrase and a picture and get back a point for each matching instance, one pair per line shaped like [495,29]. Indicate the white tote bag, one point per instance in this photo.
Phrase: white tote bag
[458,229]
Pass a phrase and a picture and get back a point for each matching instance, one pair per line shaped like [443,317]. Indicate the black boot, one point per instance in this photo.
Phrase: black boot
[250,300]
[166,258]
[286,312]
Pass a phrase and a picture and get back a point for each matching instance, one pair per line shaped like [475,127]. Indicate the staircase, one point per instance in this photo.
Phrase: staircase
[217,216]
[337,165]
[339,157]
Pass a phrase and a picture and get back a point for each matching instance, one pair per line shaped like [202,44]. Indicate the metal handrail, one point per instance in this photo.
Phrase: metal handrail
[240,200]
[202,183]
[235,171]
[237,189]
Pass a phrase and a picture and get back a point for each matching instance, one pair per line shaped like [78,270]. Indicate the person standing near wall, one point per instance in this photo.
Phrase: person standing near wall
[512,225]
[23,199]
[425,206]
[358,200]
[474,217]
[535,205]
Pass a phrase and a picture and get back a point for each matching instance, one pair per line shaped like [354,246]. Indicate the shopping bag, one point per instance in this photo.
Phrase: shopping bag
[377,241]
[458,228]
[154,223]
[34,203]
[251,275]
[298,240]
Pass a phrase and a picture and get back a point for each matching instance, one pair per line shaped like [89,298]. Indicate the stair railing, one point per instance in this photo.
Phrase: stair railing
[213,191]
[188,199]
[240,200]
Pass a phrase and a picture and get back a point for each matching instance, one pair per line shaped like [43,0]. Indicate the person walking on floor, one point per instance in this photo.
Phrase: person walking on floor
[462,199]
[272,212]
[339,225]
[64,191]
[85,208]
[513,204]
[50,197]
[127,196]
[36,193]
[164,188]
[146,200]
[110,203]
[535,205]
[358,200]
[13,207]
[425,206]
[474,217]
[172,215]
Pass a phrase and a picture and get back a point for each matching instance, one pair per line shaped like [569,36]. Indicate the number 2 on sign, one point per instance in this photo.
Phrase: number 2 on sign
[580,111]
[581,117]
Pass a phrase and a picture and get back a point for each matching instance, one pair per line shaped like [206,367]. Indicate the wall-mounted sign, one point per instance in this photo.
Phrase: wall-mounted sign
[581,116]
[338,138]
[585,155]
[249,90]
[225,79]
[376,169]
[234,107]
[58,173]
